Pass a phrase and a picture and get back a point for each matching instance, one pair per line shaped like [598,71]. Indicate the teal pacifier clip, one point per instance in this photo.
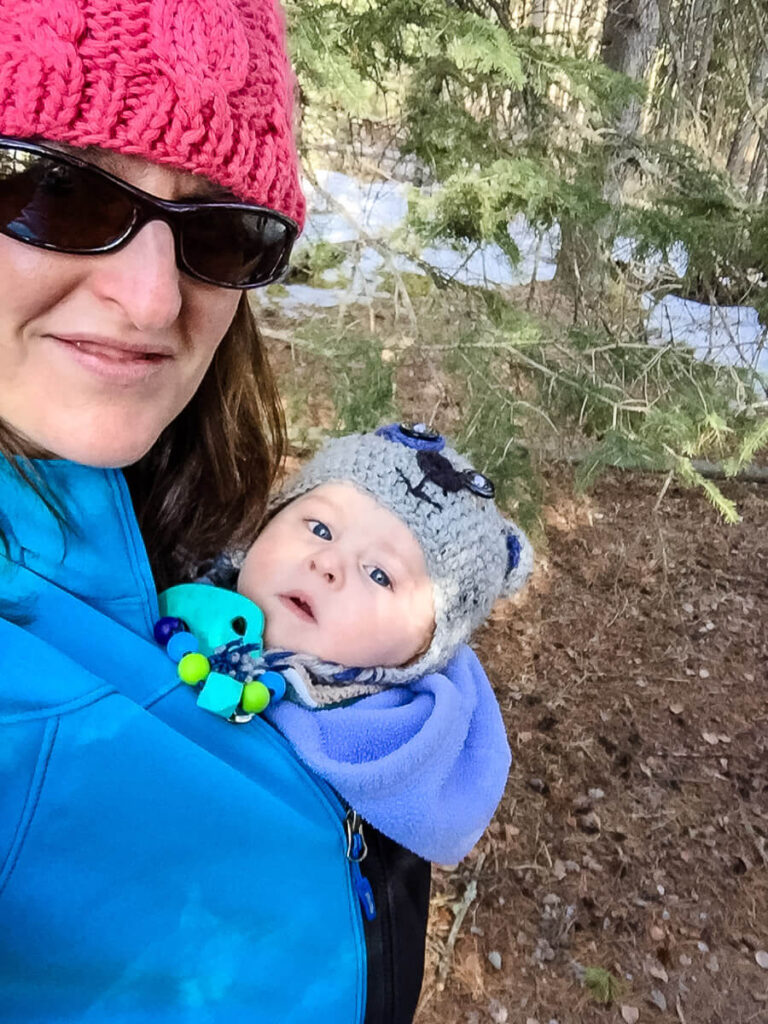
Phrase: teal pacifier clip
[215,636]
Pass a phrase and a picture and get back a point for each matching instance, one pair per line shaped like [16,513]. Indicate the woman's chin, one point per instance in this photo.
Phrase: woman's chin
[112,446]
[106,455]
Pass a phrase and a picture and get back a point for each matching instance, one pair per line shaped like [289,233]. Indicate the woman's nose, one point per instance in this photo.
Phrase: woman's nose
[143,278]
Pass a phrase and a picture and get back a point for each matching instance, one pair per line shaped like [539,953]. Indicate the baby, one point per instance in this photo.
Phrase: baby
[377,562]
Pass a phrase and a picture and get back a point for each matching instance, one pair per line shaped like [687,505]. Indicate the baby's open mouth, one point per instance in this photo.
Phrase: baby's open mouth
[299,604]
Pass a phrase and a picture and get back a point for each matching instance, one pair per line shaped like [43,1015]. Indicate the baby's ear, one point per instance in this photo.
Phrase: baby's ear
[519,560]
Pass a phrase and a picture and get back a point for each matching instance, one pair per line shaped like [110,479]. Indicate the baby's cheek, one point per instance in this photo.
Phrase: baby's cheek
[244,584]
[422,614]
[348,632]
[420,641]
[250,582]
[280,627]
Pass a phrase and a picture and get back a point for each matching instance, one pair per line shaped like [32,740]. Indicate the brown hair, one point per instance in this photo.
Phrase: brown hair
[205,481]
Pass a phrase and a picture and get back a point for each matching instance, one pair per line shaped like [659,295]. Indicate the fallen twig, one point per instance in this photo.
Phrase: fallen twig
[460,911]
[470,894]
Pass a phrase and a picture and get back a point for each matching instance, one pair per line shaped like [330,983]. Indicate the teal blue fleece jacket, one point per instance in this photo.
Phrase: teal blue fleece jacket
[157,864]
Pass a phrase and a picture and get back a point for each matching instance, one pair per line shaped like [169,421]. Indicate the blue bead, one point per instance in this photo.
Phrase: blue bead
[166,627]
[181,644]
[275,683]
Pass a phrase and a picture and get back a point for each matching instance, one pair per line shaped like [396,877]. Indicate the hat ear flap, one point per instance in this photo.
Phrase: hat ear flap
[519,560]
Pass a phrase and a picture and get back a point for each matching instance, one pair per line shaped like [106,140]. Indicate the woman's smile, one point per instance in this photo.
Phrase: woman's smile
[115,360]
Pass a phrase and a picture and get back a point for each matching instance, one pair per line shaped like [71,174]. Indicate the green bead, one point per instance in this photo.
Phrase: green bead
[194,668]
[256,697]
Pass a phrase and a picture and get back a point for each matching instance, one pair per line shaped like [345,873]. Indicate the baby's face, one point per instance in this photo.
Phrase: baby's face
[342,578]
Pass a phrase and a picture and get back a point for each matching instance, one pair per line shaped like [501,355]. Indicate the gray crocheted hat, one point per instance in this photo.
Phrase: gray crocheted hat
[473,555]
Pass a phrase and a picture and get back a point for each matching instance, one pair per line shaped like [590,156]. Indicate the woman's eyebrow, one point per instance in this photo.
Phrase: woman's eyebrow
[202,188]
[194,187]
[219,193]
[199,186]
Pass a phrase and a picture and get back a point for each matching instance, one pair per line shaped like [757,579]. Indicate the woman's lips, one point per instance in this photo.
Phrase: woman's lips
[299,604]
[113,359]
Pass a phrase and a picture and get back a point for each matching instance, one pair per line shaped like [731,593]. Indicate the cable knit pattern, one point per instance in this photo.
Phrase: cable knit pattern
[201,85]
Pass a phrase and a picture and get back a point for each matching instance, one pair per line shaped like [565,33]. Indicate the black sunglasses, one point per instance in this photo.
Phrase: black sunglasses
[58,202]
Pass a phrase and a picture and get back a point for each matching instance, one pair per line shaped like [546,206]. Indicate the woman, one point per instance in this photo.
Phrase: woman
[155,862]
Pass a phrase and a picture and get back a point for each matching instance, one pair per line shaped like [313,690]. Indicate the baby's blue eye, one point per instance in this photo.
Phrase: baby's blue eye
[380,577]
[319,529]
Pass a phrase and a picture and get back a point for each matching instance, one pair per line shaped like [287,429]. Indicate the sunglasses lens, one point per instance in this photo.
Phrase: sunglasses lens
[240,248]
[49,202]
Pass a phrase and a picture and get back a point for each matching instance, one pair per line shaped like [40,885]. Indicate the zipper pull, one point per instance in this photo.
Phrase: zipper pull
[357,851]
[364,892]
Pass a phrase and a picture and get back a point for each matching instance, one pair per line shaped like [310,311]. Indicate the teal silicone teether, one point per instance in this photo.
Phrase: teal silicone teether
[215,616]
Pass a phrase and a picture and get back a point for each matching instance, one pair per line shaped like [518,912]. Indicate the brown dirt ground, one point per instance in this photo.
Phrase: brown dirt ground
[632,835]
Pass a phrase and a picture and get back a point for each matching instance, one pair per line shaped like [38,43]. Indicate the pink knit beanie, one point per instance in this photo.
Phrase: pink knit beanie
[202,85]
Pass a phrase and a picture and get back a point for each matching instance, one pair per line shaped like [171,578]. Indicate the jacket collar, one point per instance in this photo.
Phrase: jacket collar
[98,556]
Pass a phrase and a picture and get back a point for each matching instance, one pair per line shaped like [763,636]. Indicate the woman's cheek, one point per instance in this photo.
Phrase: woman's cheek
[210,314]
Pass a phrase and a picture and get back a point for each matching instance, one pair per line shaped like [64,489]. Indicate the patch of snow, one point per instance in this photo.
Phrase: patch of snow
[729,335]
[344,210]
[376,208]
[625,250]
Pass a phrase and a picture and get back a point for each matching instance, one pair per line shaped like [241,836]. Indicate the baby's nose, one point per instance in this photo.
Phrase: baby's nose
[327,567]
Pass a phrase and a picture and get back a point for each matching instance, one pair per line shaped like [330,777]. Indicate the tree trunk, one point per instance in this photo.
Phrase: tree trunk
[703,59]
[676,78]
[630,35]
[579,262]
[757,176]
[747,126]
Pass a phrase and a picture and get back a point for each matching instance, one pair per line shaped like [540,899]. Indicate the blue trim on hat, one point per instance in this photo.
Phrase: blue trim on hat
[392,432]
[514,550]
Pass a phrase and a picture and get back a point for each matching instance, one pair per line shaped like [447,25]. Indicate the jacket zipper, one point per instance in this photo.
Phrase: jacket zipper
[357,851]
[340,814]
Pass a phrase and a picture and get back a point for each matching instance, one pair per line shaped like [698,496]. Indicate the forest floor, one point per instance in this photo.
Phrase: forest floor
[625,876]
[632,835]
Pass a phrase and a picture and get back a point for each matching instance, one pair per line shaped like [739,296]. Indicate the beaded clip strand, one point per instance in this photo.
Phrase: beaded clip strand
[227,682]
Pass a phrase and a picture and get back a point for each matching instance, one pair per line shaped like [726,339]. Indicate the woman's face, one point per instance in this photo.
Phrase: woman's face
[99,353]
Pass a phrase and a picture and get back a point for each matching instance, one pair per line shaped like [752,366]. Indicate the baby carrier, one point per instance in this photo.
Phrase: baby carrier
[158,863]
